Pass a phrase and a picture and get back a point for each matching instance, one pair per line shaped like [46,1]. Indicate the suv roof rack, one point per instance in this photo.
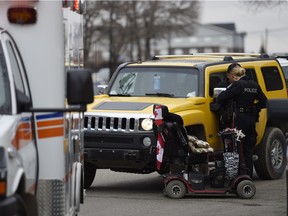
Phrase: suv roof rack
[282,56]
[226,56]
[264,55]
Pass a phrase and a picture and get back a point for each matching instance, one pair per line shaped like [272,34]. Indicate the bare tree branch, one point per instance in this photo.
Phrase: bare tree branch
[130,26]
[259,5]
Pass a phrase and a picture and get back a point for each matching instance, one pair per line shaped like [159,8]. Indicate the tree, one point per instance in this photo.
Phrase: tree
[90,31]
[160,19]
[130,26]
[266,4]
[104,26]
[259,5]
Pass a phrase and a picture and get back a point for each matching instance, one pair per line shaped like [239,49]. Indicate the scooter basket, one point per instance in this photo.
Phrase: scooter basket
[231,139]
[231,161]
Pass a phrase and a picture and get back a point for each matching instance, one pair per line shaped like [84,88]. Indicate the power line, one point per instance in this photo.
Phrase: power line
[269,30]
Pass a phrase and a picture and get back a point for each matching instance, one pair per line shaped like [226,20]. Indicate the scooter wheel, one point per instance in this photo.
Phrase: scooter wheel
[246,189]
[175,189]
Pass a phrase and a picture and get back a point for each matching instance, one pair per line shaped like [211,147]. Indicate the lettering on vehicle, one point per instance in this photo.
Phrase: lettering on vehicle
[250,90]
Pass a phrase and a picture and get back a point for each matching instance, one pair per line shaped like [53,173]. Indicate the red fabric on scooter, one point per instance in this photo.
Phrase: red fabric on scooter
[160,138]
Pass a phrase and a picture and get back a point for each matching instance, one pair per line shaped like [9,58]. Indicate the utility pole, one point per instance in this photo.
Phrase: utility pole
[266,40]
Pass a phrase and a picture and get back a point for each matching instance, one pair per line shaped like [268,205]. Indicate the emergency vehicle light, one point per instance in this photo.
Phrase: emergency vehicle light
[3,172]
[75,5]
[2,188]
[22,15]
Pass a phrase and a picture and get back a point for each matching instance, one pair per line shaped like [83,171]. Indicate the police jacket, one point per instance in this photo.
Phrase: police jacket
[244,93]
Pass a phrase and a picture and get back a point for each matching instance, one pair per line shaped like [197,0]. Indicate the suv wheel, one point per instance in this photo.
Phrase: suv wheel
[89,174]
[272,154]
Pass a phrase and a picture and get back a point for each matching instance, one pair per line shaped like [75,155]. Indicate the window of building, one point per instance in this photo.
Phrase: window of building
[193,50]
[193,39]
[208,50]
[178,51]
[223,50]
[207,39]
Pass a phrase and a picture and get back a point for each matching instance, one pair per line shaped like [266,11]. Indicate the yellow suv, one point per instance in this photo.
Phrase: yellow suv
[118,131]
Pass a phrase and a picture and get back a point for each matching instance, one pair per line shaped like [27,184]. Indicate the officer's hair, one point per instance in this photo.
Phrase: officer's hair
[238,71]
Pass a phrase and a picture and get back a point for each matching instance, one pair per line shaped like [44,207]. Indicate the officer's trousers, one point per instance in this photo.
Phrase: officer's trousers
[247,123]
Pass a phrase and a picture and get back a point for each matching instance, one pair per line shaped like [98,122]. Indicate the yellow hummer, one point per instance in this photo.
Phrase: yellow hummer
[118,131]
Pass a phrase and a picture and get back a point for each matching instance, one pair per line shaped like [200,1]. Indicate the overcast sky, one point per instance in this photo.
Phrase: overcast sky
[274,21]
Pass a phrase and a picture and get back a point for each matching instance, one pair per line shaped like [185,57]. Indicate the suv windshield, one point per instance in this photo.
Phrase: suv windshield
[149,81]
[5,103]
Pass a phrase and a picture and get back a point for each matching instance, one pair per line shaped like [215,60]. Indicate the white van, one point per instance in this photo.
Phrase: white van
[283,60]
[42,107]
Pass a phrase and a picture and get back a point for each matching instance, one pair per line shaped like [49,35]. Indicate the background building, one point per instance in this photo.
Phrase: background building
[210,38]
[206,38]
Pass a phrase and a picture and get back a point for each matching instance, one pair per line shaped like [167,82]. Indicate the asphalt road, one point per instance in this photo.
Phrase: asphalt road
[123,194]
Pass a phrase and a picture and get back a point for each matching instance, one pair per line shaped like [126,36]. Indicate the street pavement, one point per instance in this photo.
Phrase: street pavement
[124,194]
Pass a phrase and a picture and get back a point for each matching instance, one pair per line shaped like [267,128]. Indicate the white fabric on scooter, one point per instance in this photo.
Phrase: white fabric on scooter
[198,146]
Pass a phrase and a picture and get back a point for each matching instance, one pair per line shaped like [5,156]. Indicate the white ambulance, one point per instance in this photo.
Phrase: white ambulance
[41,148]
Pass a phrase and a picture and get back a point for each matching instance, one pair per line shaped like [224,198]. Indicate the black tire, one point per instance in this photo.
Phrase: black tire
[246,189]
[89,174]
[271,154]
[175,189]
[27,205]
[22,209]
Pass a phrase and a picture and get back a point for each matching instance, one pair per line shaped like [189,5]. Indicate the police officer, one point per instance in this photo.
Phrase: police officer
[230,77]
[225,112]
[244,92]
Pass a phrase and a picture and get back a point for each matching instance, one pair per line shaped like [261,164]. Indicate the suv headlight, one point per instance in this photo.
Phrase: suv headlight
[147,124]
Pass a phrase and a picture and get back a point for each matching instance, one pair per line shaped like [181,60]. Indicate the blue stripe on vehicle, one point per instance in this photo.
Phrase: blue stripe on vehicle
[50,115]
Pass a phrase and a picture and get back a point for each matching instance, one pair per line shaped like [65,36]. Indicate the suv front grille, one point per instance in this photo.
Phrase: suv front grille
[111,123]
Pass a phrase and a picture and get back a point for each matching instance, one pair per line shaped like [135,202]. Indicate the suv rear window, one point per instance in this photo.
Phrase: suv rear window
[272,78]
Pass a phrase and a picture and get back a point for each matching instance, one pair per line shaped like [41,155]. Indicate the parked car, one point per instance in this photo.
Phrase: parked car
[118,132]
[283,60]
[100,80]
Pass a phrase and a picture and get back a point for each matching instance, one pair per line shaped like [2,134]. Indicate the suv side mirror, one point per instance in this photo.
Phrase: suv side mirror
[79,87]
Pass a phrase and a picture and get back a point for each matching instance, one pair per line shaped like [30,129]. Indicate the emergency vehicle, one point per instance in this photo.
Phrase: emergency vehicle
[41,107]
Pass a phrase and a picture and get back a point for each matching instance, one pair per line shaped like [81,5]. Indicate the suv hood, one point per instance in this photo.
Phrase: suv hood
[142,105]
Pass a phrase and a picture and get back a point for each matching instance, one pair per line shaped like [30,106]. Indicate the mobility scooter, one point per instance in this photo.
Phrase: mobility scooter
[193,167]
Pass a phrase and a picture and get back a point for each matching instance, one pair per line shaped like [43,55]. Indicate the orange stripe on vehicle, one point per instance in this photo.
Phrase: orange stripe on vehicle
[50,123]
[50,132]
[23,133]
[24,126]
